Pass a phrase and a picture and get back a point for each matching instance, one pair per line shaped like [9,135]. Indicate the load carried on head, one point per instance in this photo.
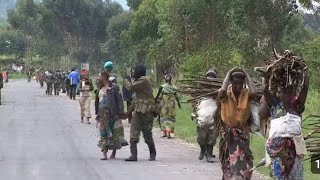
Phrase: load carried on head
[284,71]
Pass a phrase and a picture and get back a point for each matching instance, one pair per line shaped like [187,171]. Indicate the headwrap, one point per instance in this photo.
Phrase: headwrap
[109,65]
[212,72]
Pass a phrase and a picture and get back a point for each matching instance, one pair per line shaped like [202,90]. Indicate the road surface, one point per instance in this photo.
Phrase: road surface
[41,138]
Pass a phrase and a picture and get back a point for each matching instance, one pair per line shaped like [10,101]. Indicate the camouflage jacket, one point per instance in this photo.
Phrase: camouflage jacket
[143,100]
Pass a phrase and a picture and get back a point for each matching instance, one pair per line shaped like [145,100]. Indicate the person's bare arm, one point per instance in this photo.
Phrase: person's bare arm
[304,91]
[223,90]
[250,83]
[264,111]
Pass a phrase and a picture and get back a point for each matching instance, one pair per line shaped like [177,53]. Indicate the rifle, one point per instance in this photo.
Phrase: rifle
[156,101]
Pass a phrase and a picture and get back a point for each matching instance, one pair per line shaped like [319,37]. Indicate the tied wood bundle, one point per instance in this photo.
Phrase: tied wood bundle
[200,87]
[286,70]
[313,137]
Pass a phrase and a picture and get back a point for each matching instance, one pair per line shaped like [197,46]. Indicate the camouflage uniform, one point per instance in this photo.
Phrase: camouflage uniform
[57,83]
[143,115]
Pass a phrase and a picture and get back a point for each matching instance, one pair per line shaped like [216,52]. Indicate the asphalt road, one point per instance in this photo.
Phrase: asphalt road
[41,138]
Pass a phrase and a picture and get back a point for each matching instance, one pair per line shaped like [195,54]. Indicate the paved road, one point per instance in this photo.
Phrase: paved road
[41,138]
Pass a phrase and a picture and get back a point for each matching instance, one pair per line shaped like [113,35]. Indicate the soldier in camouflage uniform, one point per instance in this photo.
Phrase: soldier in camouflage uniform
[57,82]
[1,85]
[143,108]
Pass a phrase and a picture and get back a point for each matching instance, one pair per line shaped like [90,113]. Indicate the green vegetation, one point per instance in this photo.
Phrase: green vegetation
[17,75]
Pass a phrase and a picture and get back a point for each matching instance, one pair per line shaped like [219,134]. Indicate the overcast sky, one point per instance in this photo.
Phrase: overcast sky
[123,3]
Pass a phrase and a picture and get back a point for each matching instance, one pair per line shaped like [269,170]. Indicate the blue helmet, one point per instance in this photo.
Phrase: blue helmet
[109,65]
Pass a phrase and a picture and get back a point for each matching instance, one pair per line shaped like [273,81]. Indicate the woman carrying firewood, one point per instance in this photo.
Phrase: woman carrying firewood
[234,98]
[286,150]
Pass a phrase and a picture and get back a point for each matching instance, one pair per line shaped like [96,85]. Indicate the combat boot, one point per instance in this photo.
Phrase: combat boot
[202,152]
[134,152]
[210,154]
[153,152]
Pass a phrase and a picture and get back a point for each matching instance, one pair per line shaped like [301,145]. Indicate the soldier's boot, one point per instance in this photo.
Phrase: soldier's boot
[134,152]
[153,152]
[210,154]
[202,152]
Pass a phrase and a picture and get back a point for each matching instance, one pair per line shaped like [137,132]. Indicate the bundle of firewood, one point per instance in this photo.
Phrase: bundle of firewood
[313,137]
[286,70]
[200,87]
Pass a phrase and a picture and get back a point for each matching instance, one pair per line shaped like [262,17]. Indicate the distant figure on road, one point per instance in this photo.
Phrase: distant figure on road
[128,95]
[74,78]
[29,74]
[57,82]
[42,77]
[143,109]
[85,88]
[1,85]
[110,113]
[68,83]
[49,82]
[168,99]
[4,75]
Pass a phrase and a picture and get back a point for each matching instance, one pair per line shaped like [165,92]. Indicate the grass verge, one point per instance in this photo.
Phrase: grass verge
[186,129]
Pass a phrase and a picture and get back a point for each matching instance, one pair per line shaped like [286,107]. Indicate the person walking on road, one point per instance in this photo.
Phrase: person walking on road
[49,82]
[235,155]
[29,74]
[110,113]
[143,109]
[57,82]
[86,87]
[169,97]
[206,128]
[74,78]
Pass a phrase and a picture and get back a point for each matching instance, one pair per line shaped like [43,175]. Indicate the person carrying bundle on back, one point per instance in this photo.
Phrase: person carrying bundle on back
[204,116]
[285,96]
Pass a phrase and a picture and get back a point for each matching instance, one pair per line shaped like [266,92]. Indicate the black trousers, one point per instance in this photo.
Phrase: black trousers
[49,88]
[73,91]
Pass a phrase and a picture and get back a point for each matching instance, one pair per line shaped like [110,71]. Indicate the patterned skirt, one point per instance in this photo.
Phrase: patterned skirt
[285,164]
[234,153]
[168,113]
[111,133]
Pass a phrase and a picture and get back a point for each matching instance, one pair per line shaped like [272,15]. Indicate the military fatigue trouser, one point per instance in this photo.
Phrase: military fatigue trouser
[56,88]
[207,136]
[141,122]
